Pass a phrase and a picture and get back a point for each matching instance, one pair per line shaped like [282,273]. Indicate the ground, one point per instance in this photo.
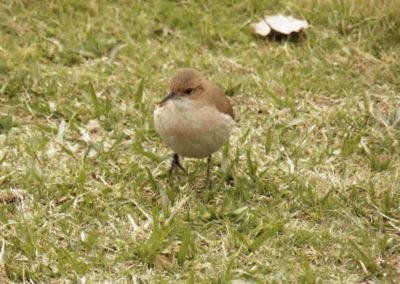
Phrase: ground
[309,186]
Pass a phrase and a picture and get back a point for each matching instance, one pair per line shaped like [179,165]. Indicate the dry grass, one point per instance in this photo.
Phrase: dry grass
[314,159]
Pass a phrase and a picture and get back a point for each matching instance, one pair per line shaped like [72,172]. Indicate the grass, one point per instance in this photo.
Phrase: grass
[314,158]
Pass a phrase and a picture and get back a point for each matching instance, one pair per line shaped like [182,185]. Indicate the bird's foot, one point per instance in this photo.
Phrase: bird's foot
[176,164]
[205,183]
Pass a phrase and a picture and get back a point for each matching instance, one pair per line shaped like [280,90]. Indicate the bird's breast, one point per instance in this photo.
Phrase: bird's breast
[190,129]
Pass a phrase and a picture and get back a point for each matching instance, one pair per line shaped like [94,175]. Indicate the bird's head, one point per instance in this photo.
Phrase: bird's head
[187,83]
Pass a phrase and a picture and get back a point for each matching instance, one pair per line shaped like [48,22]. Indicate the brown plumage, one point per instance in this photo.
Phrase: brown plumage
[191,79]
[195,119]
[217,97]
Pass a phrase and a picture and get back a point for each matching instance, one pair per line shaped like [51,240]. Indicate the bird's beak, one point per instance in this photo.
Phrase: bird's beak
[167,97]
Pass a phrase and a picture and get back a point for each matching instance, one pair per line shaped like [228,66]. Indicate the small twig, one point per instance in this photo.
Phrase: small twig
[148,216]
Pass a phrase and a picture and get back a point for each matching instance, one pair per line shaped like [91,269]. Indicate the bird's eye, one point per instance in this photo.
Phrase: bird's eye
[188,91]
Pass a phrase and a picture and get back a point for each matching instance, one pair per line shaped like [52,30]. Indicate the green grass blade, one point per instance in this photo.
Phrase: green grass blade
[268,141]
[363,257]
[153,182]
[184,249]
[268,233]
[139,150]
[139,93]
[95,101]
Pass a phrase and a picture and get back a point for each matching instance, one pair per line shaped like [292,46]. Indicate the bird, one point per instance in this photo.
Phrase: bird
[195,119]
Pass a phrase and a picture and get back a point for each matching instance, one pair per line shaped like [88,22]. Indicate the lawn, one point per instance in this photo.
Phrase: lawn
[308,189]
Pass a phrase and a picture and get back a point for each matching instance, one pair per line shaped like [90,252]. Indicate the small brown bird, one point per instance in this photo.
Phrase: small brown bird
[195,119]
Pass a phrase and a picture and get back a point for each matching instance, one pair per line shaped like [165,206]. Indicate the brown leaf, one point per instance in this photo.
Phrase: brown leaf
[11,197]
[164,261]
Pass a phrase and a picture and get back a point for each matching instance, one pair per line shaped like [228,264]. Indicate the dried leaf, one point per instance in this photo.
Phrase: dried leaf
[11,197]
[93,126]
[278,24]
[61,131]
[92,131]
[261,28]
[164,262]
[286,25]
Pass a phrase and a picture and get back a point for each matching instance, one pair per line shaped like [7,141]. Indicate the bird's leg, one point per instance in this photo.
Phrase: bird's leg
[205,183]
[175,163]
[208,171]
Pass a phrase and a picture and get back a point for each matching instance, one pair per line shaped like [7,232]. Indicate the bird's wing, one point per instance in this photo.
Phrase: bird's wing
[220,101]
